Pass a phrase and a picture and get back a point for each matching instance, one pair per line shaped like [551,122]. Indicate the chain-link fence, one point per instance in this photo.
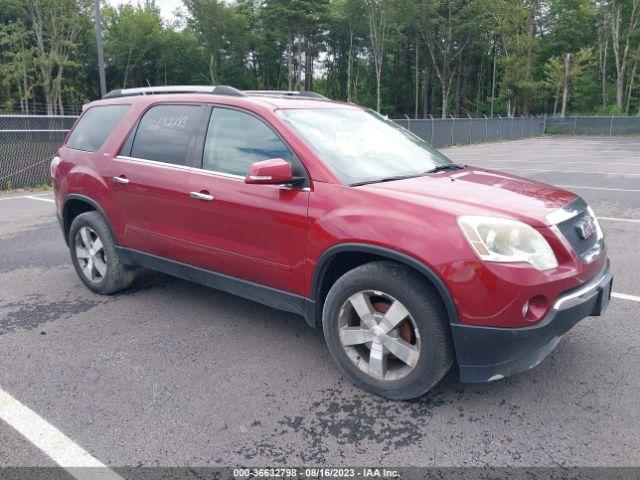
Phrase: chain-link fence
[38,109]
[27,142]
[608,126]
[445,132]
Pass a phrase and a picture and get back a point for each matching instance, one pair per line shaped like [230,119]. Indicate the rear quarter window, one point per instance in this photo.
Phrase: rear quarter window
[95,126]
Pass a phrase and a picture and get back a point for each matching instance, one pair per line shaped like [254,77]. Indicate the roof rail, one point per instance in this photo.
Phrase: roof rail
[217,90]
[286,93]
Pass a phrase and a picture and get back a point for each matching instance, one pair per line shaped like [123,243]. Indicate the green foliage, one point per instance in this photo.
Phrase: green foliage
[431,57]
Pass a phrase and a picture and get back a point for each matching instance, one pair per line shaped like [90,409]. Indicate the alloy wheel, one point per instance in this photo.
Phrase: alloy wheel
[379,335]
[90,254]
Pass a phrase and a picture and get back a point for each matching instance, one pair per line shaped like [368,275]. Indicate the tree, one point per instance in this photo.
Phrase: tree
[442,26]
[562,72]
[378,18]
[346,44]
[216,22]
[514,26]
[55,25]
[570,27]
[301,24]
[418,57]
[133,44]
[625,15]
[17,62]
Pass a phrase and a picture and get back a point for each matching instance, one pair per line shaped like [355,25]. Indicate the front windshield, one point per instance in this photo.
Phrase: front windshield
[361,146]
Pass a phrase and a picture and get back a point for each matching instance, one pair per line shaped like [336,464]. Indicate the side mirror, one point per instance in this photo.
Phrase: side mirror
[272,172]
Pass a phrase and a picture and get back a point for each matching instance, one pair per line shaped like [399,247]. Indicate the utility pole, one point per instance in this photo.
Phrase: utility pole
[103,83]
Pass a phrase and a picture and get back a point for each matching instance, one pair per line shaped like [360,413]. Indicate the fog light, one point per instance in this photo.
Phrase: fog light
[535,308]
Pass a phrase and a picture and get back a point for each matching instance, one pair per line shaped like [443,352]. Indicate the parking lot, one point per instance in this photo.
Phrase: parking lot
[170,373]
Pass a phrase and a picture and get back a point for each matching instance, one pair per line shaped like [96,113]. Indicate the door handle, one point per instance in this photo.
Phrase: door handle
[122,180]
[201,196]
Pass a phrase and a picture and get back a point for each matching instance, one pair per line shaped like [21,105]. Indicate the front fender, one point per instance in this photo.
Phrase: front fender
[385,252]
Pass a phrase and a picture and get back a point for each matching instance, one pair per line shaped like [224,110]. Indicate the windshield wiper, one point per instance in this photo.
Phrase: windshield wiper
[446,166]
[439,168]
[385,179]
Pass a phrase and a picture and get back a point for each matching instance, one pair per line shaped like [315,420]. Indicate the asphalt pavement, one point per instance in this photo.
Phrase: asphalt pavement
[171,373]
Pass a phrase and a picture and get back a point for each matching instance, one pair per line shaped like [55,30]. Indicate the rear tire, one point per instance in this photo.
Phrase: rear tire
[384,306]
[94,255]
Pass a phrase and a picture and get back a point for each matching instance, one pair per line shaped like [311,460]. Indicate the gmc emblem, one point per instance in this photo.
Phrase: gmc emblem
[586,228]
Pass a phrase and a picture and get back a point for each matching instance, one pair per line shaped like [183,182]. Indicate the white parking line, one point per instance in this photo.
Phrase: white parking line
[52,441]
[26,196]
[624,296]
[631,220]
[539,155]
[535,155]
[560,163]
[599,188]
[570,171]
[32,197]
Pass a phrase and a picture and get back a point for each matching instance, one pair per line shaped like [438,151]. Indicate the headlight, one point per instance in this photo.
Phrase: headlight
[595,222]
[497,239]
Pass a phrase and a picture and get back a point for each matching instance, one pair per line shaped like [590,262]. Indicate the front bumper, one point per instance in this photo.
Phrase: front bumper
[490,353]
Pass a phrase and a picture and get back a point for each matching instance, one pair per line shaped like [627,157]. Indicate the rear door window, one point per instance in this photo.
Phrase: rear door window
[95,126]
[165,133]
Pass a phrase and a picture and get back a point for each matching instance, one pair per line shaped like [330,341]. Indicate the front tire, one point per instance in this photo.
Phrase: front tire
[387,331]
[94,255]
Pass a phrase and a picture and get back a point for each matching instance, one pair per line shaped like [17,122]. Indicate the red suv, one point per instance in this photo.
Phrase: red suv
[408,261]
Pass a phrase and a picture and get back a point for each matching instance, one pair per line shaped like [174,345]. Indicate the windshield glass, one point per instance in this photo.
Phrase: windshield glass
[361,146]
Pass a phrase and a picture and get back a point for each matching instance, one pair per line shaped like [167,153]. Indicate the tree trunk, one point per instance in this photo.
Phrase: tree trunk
[533,6]
[479,92]
[297,77]
[126,70]
[565,87]
[26,92]
[426,94]
[355,83]
[415,114]
[289,64]
[620,90]
[60,106]
[211,70]
[630,87]
[430,92]
[555,100]
[308,65]
[604,50]
[622,57]
[349,63]
[493,80]
[377,31]
[445,95]
[459,81]
[378,97]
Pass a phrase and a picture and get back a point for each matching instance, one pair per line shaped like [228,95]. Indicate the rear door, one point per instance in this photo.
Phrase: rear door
[148,180]
[252,232]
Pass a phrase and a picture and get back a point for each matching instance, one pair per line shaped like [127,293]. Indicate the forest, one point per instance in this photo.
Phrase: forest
[412,58]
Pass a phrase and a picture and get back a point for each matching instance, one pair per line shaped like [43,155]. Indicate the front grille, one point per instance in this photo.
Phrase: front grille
[571,232]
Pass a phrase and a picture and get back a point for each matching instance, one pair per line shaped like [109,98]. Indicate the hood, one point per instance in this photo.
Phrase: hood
[476,191]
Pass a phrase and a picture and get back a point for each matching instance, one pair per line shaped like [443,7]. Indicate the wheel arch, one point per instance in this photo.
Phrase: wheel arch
[74,205]
[324,273]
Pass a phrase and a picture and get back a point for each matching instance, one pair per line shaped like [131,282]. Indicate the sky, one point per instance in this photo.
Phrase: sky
[166,6]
